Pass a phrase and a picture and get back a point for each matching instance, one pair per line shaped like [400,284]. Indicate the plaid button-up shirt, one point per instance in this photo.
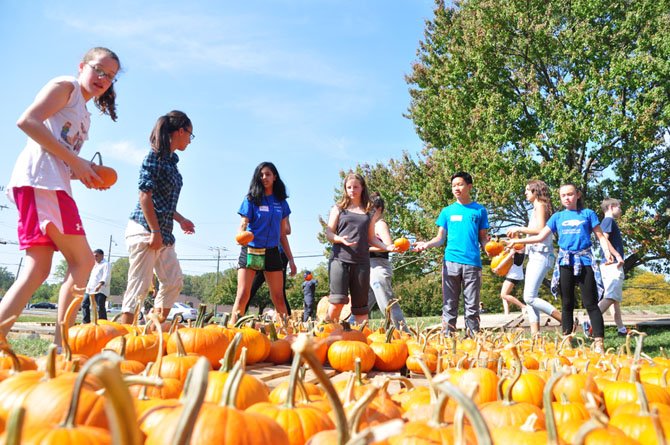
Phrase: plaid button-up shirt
[161,177]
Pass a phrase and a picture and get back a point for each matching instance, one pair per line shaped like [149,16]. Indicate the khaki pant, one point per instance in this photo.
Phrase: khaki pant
[144,262]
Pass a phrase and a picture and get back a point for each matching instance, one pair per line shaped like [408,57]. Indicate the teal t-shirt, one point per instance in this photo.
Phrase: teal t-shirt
[462,223]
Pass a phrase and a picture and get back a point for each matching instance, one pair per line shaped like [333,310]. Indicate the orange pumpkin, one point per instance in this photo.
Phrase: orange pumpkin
[391,355]
[502,263]
[342,355]
[299,421]
[402,244]
[494,247]
[107,175]
[243,238]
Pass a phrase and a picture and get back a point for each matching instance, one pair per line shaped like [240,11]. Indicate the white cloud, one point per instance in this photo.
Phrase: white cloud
[123,151]
[245,43]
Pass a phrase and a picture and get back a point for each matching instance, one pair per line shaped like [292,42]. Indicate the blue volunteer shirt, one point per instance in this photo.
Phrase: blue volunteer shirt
[462,223]
[574,229]
[265,220]
[160,176]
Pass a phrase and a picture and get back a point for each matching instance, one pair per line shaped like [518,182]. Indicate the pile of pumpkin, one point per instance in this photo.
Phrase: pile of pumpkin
[118,383]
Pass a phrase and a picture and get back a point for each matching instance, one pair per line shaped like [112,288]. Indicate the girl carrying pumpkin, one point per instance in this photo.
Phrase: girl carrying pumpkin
[575,264]
[57,124]
[265,213]
[351,229]
[540,255]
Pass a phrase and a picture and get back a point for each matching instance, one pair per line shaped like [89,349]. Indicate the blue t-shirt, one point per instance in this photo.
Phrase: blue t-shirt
[265,220]
[609,226]
[462,223]
[574,229]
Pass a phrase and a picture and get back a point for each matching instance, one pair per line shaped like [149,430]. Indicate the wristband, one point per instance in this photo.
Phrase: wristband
[155,231]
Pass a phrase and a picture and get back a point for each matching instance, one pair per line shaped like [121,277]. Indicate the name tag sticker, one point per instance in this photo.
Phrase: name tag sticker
[456,218]
[263,208]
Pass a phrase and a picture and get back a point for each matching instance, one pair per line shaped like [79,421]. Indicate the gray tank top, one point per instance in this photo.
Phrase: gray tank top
[355,227]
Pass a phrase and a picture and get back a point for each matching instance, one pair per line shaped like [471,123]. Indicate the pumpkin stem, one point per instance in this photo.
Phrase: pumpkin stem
[474,415]
[359,408]
[304,346]
[123,419]
[15,425]
[232,386]
[228,360]
[642,400]
[459,433]
[429,379]
[197,386]
[658,427]
[550,420]
[638,346]
[293,379]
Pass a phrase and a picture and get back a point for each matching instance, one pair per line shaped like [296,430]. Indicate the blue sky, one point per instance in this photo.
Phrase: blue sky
[313,86]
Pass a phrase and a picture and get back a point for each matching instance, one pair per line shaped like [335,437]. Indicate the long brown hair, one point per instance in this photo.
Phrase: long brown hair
[345,201]
[541,191]
[106,102]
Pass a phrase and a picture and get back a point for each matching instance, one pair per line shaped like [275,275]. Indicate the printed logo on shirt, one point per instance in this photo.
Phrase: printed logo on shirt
[571,226]
[572,223]
[456,218]
[263,208]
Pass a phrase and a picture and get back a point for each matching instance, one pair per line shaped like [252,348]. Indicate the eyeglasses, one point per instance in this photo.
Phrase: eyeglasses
[101,74]
[190,134]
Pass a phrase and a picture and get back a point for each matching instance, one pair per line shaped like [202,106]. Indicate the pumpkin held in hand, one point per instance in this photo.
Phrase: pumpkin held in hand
[107,175]
[402,244]
[494,247]
[243,238]
[502,263]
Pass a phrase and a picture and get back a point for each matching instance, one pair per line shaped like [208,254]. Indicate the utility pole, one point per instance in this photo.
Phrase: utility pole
[109,256]
[216,280]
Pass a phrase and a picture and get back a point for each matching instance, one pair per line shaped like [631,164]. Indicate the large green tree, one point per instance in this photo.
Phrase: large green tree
[551,89]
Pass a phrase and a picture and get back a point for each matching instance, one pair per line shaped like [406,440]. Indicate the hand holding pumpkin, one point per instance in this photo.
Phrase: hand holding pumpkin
[244,237]
[402,244]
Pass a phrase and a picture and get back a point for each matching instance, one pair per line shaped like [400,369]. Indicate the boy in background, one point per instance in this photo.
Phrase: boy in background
[612,274]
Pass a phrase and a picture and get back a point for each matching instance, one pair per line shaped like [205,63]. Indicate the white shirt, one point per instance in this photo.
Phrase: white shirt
[100,273]
[38,168]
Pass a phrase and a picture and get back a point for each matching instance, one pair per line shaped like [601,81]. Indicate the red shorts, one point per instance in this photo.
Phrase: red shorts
[39,208]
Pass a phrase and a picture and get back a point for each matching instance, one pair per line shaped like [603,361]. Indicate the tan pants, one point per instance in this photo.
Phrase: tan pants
[144,262]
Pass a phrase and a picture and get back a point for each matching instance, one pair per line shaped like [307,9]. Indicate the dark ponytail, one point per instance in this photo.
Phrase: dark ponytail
[165,125]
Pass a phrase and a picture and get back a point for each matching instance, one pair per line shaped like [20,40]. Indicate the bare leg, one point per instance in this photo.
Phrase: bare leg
[557,315]
[244,279]
[360,318]
[35,272]
[505,306]
[79,257]
[534,327]
[334,311]
[507,297]
[275,282]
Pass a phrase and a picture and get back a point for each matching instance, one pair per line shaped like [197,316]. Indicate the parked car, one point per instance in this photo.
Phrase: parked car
[43,305]
[186,311]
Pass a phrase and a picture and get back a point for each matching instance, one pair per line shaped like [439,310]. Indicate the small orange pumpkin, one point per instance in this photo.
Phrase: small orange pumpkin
[494,247]
[402,244]
[107,175]
[243,238]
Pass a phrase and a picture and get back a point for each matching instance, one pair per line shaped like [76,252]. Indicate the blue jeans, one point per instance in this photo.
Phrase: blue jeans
[539,263]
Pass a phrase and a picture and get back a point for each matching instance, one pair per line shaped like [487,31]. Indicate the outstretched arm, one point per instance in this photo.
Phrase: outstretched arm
[438,240]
